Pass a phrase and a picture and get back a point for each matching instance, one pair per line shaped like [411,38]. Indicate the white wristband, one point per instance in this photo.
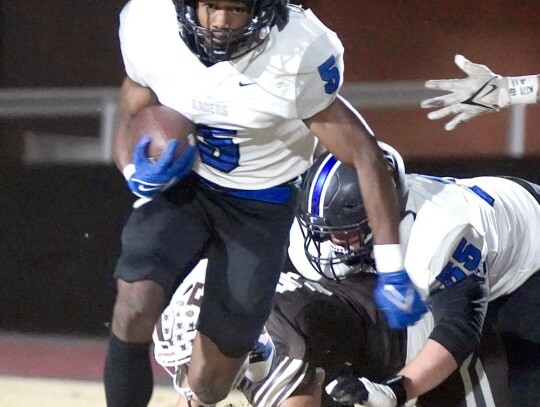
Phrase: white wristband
[128,171]
[523,89]
[388,257]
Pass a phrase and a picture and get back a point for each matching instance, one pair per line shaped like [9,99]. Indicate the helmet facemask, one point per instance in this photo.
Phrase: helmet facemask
[337,251]
[217,45]
[175,331]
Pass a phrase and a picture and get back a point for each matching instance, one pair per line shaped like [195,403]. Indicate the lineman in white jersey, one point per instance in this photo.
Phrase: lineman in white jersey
[260,79]
[466,243]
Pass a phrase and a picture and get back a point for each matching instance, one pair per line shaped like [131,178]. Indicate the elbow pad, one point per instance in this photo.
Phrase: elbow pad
[459,312]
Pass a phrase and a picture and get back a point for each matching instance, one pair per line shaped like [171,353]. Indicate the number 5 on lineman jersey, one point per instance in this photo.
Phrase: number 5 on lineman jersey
[466,258]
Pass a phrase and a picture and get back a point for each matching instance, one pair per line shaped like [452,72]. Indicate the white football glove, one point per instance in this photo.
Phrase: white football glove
[481,92]
[351,390]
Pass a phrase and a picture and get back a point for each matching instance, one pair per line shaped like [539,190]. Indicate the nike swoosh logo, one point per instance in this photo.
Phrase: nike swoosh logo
[474,99]
[493,87]
[402,302]
[146,189]
[246,84]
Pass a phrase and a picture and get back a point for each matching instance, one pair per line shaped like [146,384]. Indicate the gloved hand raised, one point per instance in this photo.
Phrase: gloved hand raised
[147,178]
[351,390]
[482,91]
[397,297]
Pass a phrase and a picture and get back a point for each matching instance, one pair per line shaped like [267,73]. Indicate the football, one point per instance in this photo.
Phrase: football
[162,124]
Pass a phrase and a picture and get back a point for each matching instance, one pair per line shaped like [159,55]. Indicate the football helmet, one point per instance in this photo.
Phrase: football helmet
[176,329]
[333,219]
[216,45]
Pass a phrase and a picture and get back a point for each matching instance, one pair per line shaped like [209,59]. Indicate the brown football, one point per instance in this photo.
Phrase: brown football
[162,124]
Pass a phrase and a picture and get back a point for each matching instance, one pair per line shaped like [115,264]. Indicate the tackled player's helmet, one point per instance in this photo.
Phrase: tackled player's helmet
[333,219]
[232,44]
[175,332]
[176,329]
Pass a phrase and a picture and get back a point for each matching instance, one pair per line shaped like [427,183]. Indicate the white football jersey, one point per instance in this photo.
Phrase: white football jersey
[453,228]
[457,227]
[249,111]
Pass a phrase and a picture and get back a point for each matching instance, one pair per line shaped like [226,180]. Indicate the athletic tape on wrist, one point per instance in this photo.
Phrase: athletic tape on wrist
[523,89]
[388,257]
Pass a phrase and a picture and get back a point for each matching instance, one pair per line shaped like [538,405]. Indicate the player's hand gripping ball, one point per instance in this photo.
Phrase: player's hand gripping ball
[163,154]
[163,125]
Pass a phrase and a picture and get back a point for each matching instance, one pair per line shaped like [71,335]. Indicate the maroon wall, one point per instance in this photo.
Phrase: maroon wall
[74,43]
[52,44]
[387,40]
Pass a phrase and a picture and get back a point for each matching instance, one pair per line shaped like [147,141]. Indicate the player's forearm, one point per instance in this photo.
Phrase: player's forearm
[378,188]
[344,134]
[428,369]
[123,145]
[132,98]
[380,199]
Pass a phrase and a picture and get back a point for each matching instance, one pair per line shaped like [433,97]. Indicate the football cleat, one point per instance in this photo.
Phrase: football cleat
[261,358]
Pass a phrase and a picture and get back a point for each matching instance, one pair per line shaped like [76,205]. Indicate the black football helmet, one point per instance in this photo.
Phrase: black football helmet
[232,44]
[333,219]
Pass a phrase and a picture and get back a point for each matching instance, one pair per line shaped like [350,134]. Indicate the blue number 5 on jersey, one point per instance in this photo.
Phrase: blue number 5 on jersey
[330,74]
[465,261]
[217,148]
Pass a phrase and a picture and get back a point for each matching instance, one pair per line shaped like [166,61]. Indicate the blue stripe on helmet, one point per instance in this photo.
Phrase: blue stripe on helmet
[316,204]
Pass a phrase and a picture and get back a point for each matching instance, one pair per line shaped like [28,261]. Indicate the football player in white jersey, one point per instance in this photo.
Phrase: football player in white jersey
[260,79]
[467,243]
[481,92]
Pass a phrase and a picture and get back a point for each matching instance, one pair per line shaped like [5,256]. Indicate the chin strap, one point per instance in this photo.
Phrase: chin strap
[187,393]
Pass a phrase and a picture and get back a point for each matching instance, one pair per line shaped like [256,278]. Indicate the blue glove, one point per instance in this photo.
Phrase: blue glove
[397,297]
[147,179]
[350,390]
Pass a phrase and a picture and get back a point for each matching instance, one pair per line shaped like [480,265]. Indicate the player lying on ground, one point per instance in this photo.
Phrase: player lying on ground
[333,326]
[318,331]
[467,243]
[482,91]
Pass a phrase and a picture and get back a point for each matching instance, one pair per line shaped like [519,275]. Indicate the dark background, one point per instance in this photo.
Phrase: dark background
[60,225]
